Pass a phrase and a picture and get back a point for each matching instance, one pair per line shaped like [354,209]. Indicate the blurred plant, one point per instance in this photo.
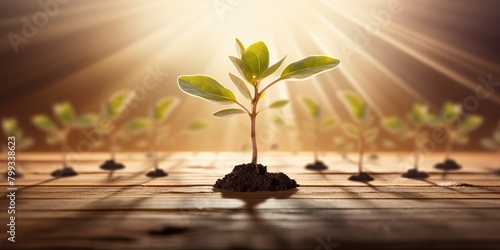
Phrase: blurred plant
[361,130]
[112,110]
[411,130]
[253,65]
[342,146]
[493,143]
[59,135]
[21,142]
[456,127]
[158,131]
[11,129]
[318,126]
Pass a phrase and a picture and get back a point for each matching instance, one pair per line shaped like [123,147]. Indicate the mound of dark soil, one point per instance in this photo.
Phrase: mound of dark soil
[363,177]
[251,178]
[64,172]
[448,165]
[317,166]
[156,173]
[111,165]
[414,174]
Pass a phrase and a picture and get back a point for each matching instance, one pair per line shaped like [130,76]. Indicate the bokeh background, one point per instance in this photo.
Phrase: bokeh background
[393,53]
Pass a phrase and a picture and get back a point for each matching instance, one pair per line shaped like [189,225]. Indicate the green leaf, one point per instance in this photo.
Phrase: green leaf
[116,104]
[470,123]
[394,125]
[44,123]
[418,115]
[64,112]
[355,105]
[9,127]
[26,143]
[388,144]
[257,57]
[496,136]
[351,130]
[328,122]
[86,120]
[434,121]
[242,87]
[450,112]
[229,112]
[312,107]
[206,88]
[52,139]
[371,134]
[240,48]
[243,68]
[489,144]
[164,107]
[137,126]
[270,70]
[197,125]
[461,139]
[278,104]
[309,66]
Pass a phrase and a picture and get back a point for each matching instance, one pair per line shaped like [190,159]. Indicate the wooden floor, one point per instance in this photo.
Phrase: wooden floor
[127,210]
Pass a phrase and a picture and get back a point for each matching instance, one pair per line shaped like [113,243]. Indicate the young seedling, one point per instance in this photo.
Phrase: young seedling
[456,126]
[342,146]
[319,126]
[112,111]
[59,135]
[411,130]
[493,143]
[158,131]
[17,141]
[360,130]
[253,66]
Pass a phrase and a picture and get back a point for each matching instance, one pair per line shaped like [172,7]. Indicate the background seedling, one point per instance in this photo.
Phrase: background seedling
[456,125]
[361,130]
[319,126]
[253,66]
[112,111]
[158,130]
[21,142]
[59,135]
[410,130]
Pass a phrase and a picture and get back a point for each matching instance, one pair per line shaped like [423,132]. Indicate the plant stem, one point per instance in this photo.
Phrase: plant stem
[361,150]
[417,156]
[112,146]
[315,140]
[449,144]
[253,119]
[155,146]
[64,147]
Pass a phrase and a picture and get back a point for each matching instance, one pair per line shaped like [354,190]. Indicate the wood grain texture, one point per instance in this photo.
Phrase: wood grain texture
[127,210]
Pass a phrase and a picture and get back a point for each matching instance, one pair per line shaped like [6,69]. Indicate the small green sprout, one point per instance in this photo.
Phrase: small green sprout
[319,125]
[456,126]
[253,66]
[493,143]
[59,135]
[361,130]
[412,129]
